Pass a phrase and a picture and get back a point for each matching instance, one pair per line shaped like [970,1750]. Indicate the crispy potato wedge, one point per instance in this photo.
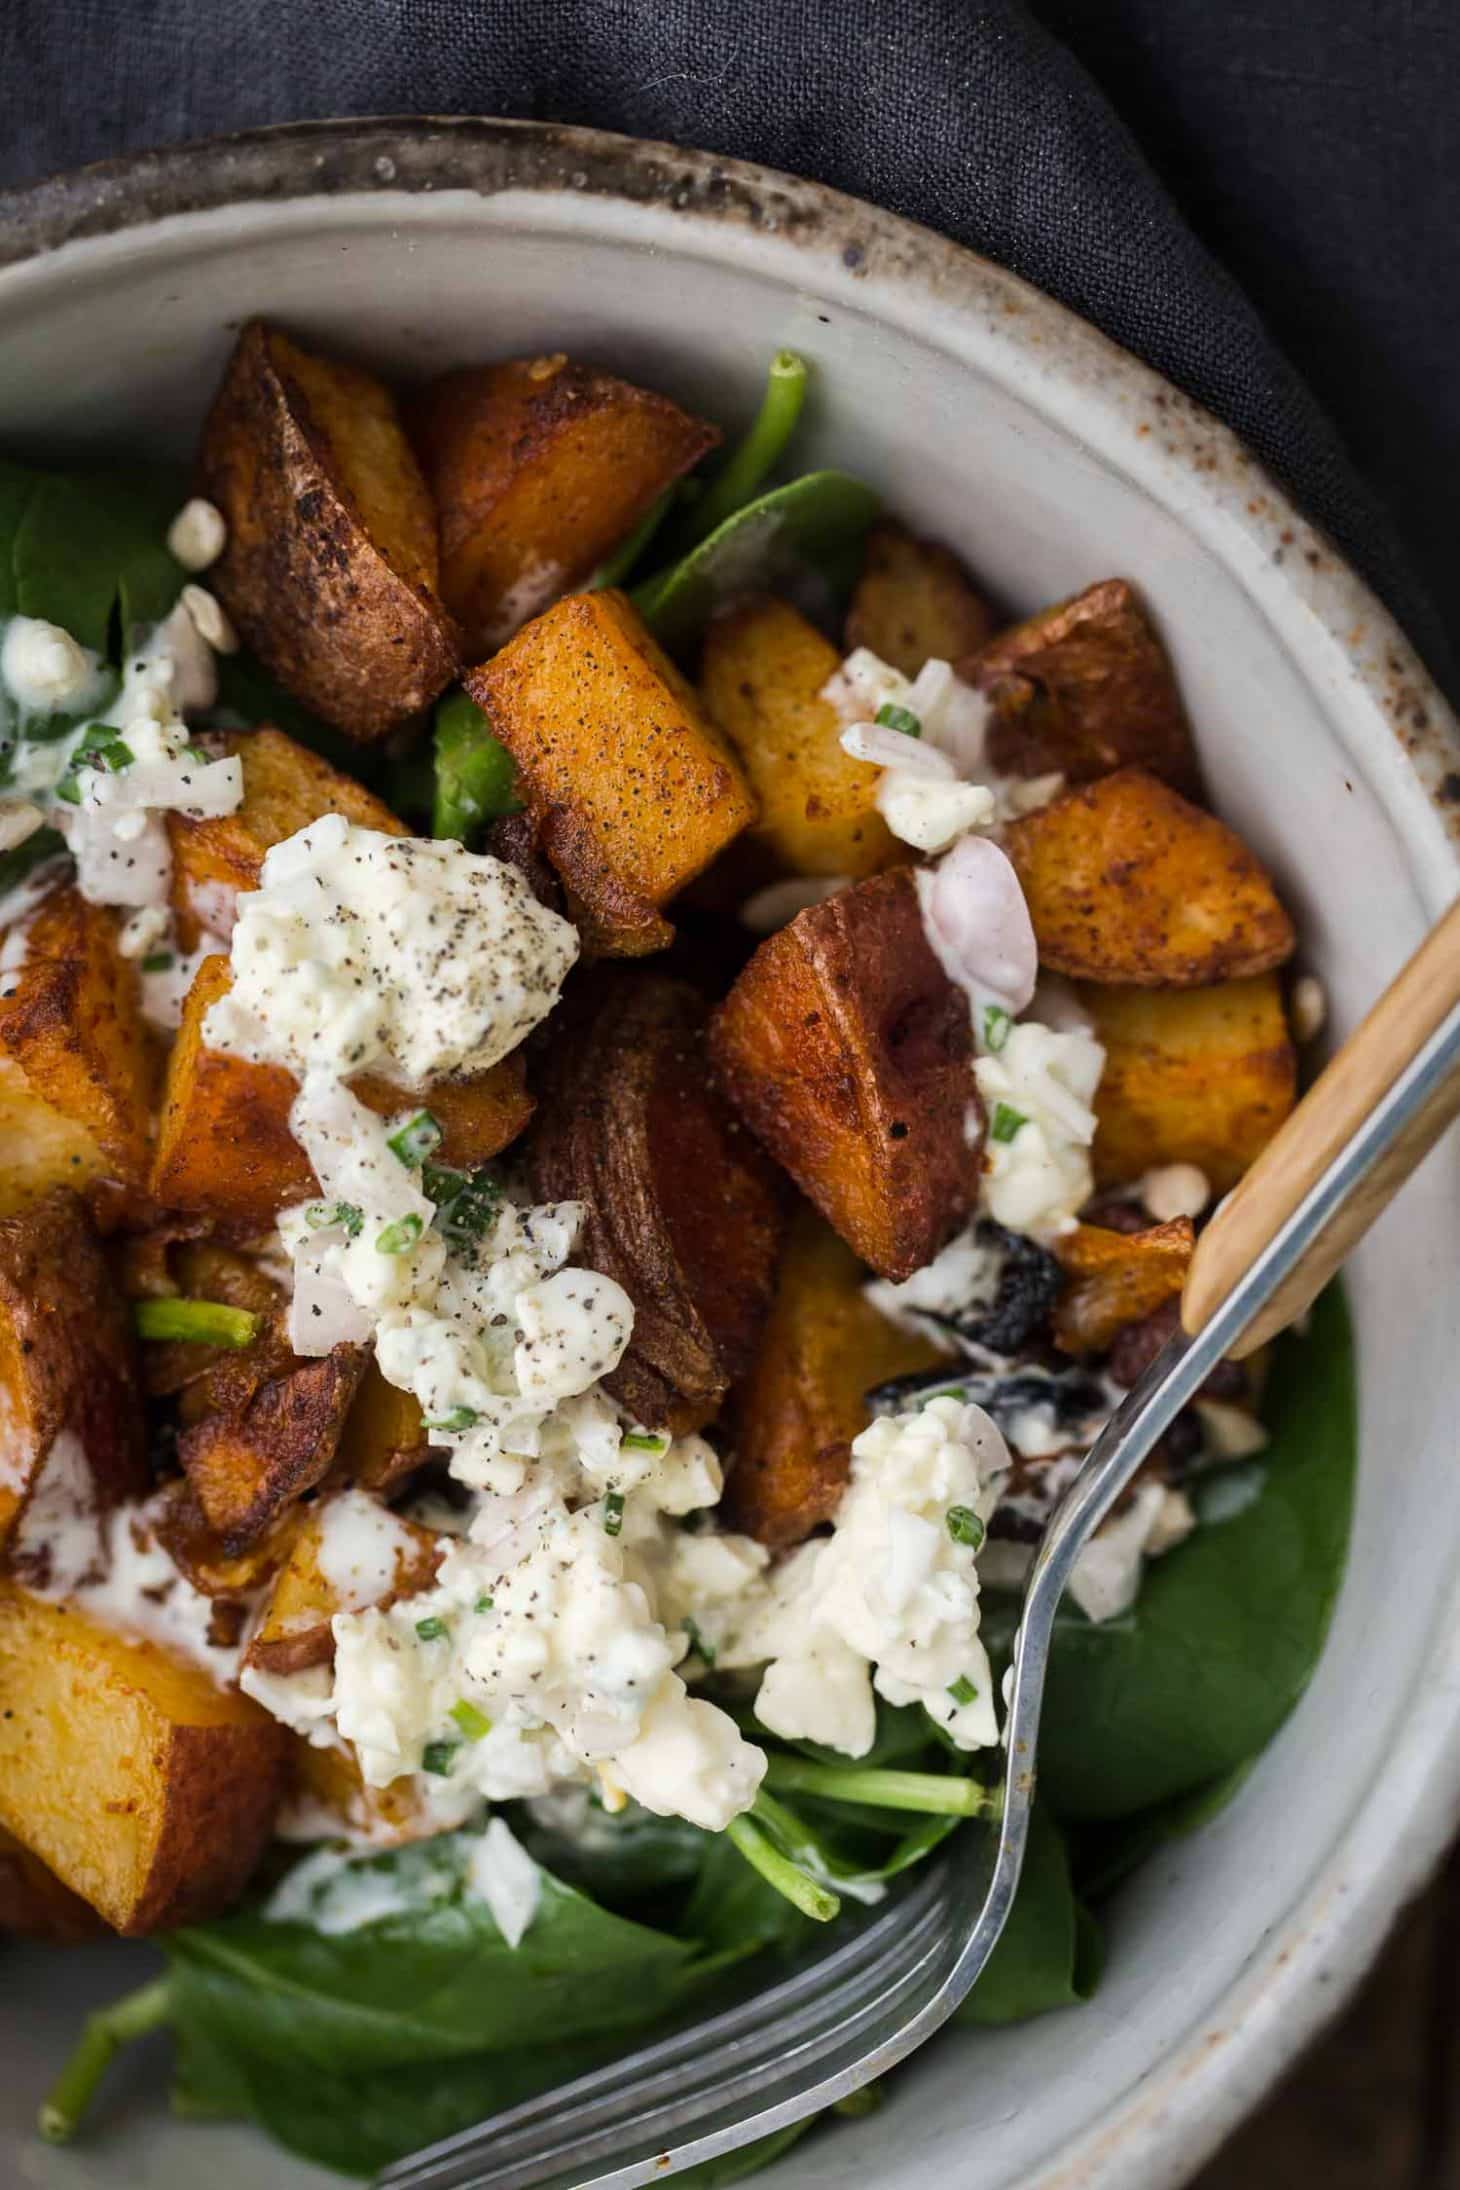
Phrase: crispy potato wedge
[181,1527]
[148,1791]
[294,1627]
[35,1905]
[1117,1279]
[540,467]
[71,1019]
[1203,1076]
[683,1209]
[42,1148]
[1086,687]
[285,787]
[793,1417]
[250,1460]
[915,602]
[761,677]
[331,567]
[69,1393]
[633,788]
[383,1443]
[330,1793]
[224,1147]
[845,1047]
[1127,883]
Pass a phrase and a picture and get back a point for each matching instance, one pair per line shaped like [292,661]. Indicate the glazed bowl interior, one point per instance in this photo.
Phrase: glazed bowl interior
[991,420]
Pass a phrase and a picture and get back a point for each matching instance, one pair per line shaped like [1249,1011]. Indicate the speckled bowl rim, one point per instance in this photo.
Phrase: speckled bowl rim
[1153,2135]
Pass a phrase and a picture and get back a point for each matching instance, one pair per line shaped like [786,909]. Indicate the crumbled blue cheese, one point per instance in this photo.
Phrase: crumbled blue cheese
[364,952]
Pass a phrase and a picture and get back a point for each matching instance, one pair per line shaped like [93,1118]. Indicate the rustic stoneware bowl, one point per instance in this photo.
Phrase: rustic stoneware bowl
[996,421]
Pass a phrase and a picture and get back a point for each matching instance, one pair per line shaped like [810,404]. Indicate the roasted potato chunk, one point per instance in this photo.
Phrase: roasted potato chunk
[1127,883]
[761,678]
[384,1442]
[294,1629]
[145,1789]
[914,603]
[632,787]
[683,1210]
[180,1526]
[71,1019]
[846,1049]
[329,1781]
[285,787]
[1117,1279]
[42,1148]
[331,567]
[1203,1076]
[540,467]
[250,1460]
[35,1905]
[224,1147]
[793,1417]
[1086,687]
[69,1394]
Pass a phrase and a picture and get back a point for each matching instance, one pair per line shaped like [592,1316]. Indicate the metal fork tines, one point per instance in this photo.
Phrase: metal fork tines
[833,2025]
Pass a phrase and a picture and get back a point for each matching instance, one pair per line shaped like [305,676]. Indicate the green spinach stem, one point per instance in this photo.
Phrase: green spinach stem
[778,1870]
[758,450]
[615,568]
[933,1794]
[102,2036]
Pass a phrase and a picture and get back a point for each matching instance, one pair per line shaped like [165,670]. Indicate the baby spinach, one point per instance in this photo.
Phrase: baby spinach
[476,776]
[1050,1952]
[74,546]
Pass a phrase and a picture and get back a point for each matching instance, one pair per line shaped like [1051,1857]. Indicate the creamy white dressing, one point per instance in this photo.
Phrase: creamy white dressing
[361,1548]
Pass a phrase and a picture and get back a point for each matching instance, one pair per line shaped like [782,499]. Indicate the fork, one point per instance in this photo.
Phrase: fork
[851,2013]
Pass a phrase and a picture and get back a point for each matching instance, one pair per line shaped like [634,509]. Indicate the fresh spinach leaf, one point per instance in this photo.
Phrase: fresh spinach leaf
[250,698]
[1106,1851]
[820,519]
[1050,1952]
[39,846]
[1228,1627]
[84,543]
[618,1859]
[476,776]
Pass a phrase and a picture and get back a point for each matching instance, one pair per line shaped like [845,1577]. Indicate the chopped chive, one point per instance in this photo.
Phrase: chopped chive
[439,1757]
[431,1629]
[641,1441]
[892,717]
[414,1140]
[962,1690]
[698,1643]
[484,1604]
[159,962]
[965,1527]
[474,1723]
[397,1237]
[467,1203]
[195,1322]
[932,1794]
[1006,1122]
[996,1026]
[613,1513]
[460,1418]
[761,1853]
[319,1215]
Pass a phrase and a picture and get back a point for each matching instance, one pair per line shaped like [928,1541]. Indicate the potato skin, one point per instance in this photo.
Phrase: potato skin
[1086,687]
[1203,1076]
[632,787]
[255,1456]
[68,1361]
[914,602]
[224,1148]
[145,1789]
[35,1905]
[846,1049]
[540,466]
[793,1416]
[1117,1279]
[761,678]
[72,1021]
[330,571]
[294,1631]
[683,1209]
[1128,883]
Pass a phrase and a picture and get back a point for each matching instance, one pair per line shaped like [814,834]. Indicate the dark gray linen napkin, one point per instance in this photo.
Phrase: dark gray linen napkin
[972,118]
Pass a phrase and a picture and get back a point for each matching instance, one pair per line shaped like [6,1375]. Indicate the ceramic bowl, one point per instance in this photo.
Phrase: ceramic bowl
[1049,458]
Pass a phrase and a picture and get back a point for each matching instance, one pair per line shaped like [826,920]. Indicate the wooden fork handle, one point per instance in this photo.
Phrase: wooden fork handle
[1409,1012]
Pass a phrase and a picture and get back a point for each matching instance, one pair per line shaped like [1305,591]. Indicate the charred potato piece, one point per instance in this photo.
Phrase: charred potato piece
[145,1789]
[331,567]
[294,1630]
[42,1148]
[71,1019]
[632,787]
[250,1460]
[330,1781]
[1086,687]
[914,603]
[35,1905]
[846,1049]
[224,1147]
[1127,883]
[1117,1279]
[793,1417]
[285,787]
[539,468]
[683,1210]
[1203,1076]
[761,679]
[181,1527]
[384,1442]
[69,1395]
